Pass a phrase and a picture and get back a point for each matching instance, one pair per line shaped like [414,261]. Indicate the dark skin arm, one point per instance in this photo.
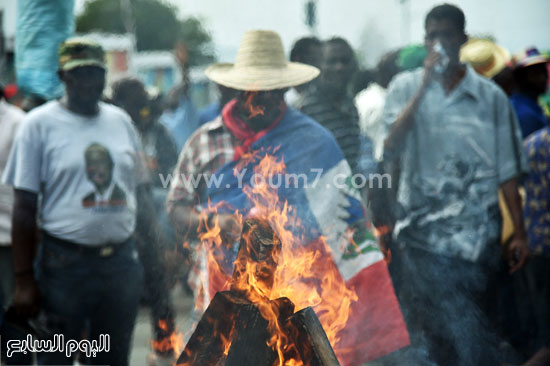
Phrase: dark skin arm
[24,230]
[382,202]
[400,129]
[186,221]
[518,250]
[405,120]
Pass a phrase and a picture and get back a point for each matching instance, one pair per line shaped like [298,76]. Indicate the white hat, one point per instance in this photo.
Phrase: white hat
[261,65]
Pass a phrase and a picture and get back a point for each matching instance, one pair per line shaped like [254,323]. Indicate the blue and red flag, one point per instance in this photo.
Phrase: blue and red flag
[317,186]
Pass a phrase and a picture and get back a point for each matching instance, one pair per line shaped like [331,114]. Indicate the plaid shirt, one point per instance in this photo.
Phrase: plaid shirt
[206,151]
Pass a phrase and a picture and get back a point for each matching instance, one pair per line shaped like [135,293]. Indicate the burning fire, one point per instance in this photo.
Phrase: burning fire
[254,110]
[174,343]
[305,274]
[380,233]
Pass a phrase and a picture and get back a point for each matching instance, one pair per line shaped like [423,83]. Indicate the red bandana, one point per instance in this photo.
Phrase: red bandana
[242,131]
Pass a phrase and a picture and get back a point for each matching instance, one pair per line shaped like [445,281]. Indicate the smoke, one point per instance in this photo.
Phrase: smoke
[441,299]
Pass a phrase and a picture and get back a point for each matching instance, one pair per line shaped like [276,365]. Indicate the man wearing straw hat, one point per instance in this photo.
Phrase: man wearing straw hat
[258,123]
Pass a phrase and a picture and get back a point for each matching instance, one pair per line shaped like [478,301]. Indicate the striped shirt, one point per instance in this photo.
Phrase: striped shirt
[340,117]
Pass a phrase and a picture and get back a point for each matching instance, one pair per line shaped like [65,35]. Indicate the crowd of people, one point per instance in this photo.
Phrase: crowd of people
[91,226]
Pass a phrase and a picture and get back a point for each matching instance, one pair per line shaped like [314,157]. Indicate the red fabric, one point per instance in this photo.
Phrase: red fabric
[376,326]
[217,280]
[10,90]
[242,131]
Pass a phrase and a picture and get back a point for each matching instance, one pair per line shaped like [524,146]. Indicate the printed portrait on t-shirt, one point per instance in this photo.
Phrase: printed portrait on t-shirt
[99,170]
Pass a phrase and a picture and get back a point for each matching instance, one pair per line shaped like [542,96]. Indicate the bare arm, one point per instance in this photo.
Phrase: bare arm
[405,120]
[185,219]
[187,222]
[23,233]
[518,250]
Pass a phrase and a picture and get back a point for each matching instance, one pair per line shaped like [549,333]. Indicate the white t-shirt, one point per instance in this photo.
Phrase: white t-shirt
[370,105]
[86,170]
[10,116]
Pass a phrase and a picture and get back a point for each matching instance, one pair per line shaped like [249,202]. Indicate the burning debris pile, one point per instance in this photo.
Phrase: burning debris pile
[243,326]
[263,254]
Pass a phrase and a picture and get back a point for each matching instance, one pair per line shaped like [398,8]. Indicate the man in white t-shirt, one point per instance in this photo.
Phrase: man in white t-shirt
[10,117]
[87,274]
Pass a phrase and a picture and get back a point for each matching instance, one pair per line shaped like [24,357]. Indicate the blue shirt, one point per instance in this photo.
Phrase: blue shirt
[530,114]
[210,113]
[461,147]
[537,189]
[181,122]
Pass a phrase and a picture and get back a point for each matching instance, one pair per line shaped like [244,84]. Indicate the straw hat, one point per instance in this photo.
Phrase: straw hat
[261,65]
[485,56]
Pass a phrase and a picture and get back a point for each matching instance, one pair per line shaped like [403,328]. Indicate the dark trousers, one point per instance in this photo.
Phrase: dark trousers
[156,284]
[157,292]
[442,299]
[512,313]
[90,295]
[538,280]
[8,332]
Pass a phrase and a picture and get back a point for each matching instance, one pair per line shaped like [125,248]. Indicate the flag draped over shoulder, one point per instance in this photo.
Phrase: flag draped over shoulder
[317,185]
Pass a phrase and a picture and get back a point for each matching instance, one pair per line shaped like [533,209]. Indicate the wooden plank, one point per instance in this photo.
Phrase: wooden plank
[251,334]
[206,345]
[310,339]
[258,255]
[233,318]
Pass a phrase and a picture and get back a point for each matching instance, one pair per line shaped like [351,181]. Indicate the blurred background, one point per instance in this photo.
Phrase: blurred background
[142,36]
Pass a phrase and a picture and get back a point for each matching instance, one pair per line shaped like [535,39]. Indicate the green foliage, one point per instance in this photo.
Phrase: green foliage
[157,26]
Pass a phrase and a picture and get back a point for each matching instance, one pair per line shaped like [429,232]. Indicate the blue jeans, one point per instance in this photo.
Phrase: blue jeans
[90,295]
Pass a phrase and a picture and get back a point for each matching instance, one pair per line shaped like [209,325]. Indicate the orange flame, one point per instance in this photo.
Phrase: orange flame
[379,233]
[173,343]
[306,274]
[163,324]
[253,109]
